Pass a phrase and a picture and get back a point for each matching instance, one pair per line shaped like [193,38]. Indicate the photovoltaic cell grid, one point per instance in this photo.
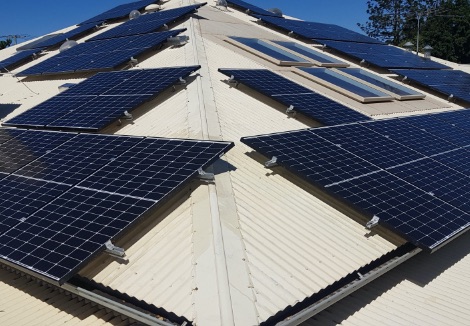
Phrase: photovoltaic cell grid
[416,182]
[17,59]
[319,31]
[447,82]
[98,101]
[290,93]
[58,39]
[119,11]
[251,8]
[99,55]
[60,209]
[380,55]
[147,23]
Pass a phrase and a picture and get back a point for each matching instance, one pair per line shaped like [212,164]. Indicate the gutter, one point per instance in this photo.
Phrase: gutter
[346,290]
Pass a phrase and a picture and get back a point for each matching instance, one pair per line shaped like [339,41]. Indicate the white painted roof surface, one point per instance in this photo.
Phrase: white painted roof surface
[238,251]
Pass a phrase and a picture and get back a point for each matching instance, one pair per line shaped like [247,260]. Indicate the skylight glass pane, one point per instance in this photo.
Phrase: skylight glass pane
[268,49]
[310,53]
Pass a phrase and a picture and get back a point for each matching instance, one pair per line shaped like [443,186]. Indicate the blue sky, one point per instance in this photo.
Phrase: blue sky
[40,17]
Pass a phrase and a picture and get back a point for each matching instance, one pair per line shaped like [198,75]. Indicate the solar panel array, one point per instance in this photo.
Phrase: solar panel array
[252,9]
[99,55]
[17,59]
[319,31]
[302,99]
[364,92]
[398,170]
[98,101]
[147,23]
[59,39]
[75,192]
[120,11]
[383,56]
[447,82]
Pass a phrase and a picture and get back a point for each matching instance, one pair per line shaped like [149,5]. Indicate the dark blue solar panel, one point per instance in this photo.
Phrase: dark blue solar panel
[290,93]
[321,108]
[99,55]
[345,83]
[70,35]
[52,226]
[422,141]
[60,237]
[447,82]
[147,23]
[368,145]
[98,101]
[120,11]
[23,148]
[438,180]
[440,128]
[310,53]
[458,159]
[311,156]
[320,31]
[17,59]
[384,56]
[422,218]
[21,197]
[458,118]
[252,9]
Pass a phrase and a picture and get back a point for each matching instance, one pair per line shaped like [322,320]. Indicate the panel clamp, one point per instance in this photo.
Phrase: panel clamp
[127,116]
[290,110]
[205,176]
[271,163]
[133,62]
[181,81]
[113,250]
[232,80]
[373,222]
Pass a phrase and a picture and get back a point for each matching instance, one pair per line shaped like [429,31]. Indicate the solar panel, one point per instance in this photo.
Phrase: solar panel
[290,93]
[447,82]
[400,92]
[120,11]
[99,55]
[320,59]
[98,101]
[17,59]
[384,56]
[345,85]
[252,9]
[61,209]
[147,23]
[320,31]
[70,35]
[416,190]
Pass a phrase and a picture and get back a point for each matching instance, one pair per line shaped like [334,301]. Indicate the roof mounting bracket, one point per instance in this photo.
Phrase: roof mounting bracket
[290,33]
[290,110]
[205,176]
[451,98]
[114,251]
[232,80]
[181,81]
[404,79]
[127,116]
[363,63]
[271,163]
[165,26]
[374,221]
[133,62]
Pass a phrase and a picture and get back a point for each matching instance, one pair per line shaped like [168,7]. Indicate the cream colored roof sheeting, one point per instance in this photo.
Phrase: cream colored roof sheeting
[24,302]
[429,289]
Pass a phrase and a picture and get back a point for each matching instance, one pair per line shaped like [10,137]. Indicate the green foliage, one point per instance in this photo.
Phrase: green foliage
[5,44]
[444,24]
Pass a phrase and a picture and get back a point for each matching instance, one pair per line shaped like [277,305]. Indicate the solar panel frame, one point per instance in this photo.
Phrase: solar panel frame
[252,9]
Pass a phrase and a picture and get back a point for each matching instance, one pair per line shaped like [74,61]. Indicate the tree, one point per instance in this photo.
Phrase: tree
[448,31]
[5,44]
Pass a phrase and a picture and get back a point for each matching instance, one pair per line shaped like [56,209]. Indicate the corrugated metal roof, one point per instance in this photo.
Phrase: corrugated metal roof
[25,302]
[430,289]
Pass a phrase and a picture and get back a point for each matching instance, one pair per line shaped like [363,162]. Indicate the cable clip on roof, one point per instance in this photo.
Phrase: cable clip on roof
[373,222]
[271,163]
